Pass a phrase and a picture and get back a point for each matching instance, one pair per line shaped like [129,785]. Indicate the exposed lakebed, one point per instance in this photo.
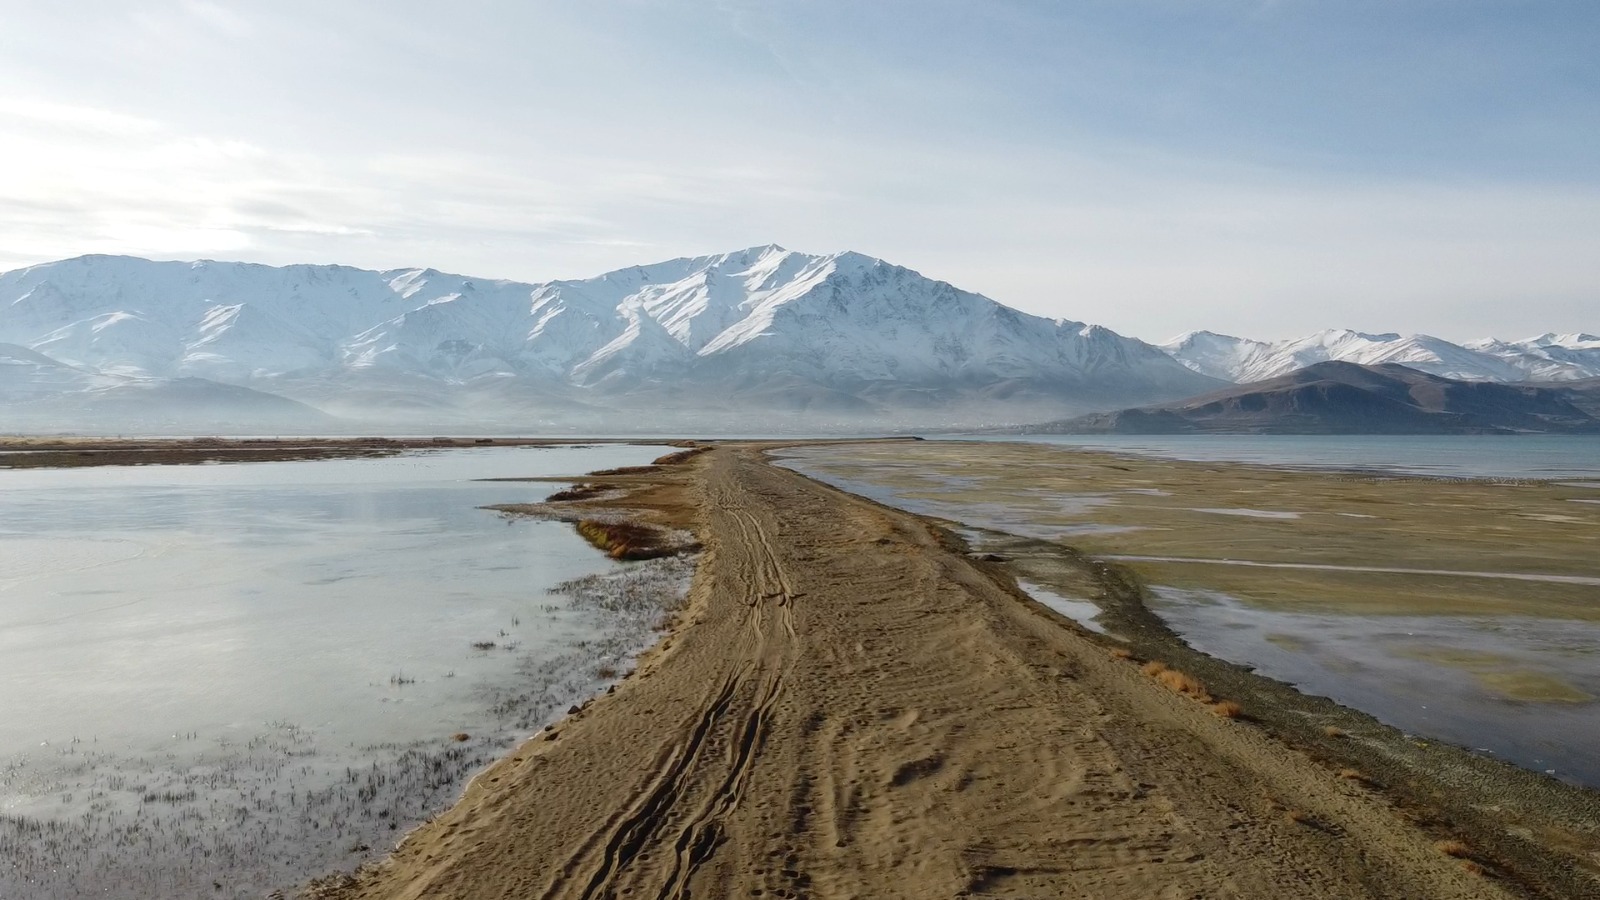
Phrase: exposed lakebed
[1458,610]
[220,679]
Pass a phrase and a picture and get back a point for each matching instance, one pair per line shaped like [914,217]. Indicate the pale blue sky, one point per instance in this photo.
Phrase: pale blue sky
[1264,167]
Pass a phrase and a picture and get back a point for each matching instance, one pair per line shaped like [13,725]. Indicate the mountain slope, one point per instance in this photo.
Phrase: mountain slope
[759,332]
[1546,358]
[1347,398]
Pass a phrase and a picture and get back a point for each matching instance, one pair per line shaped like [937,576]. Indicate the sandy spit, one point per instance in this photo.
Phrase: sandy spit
[849,706]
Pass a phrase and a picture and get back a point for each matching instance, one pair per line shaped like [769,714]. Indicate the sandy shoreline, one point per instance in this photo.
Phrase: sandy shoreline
[850,705]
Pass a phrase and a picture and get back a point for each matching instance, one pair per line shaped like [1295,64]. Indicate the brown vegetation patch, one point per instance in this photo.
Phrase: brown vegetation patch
[1182,682]
[576,492]
[627,540]
[681,456]
[1185,684]
[1121,653]
[1228,709]
[627,470]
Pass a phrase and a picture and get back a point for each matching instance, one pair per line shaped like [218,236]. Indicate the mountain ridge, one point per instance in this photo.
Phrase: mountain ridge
[761,331]
[1548,357]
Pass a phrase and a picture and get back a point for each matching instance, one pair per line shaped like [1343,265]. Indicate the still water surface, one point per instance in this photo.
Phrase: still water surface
[158,621]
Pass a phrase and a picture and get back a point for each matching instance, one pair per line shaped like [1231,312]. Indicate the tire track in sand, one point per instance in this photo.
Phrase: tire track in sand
[688,785]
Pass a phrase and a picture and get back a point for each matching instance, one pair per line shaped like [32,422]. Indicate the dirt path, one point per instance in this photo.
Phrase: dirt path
[850,709]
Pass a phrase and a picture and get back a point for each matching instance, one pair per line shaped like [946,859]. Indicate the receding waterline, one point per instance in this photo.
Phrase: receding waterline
[1384,570]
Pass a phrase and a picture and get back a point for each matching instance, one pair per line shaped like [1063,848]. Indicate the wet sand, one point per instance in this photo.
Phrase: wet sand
[851,705]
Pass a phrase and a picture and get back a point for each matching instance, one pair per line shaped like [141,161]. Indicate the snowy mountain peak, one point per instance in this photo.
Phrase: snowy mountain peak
[1549,357]
[764,327]
[1570,341]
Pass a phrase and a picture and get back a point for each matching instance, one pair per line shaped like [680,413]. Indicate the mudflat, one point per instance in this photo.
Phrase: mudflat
[852,706]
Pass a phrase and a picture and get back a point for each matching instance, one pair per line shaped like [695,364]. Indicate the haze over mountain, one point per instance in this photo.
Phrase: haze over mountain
[756,339]
[1548,357]
[1338,397]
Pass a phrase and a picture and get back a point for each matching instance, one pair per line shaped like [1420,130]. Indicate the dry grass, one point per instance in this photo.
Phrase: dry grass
[1297,816]
[1228,709]
[1121,653]
[627,470]
[606,672]
[1333,731]
[1473,868]
[682,456]
[576,492]
[626,540]
[1182,682]
[1185,684]
[1454,848]
[1355,775]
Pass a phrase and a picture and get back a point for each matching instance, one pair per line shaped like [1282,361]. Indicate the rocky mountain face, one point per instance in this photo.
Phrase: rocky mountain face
[754,340]
[1348,398]
[1548,357]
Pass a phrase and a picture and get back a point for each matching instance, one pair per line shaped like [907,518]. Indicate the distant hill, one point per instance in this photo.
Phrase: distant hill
[1347,398]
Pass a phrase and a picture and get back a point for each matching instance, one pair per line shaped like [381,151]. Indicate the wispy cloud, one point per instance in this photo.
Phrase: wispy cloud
[1264,167]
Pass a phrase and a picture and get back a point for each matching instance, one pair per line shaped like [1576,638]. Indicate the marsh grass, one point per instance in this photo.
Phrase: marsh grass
[626,470]
[576,492]
[681,456]
[628,540]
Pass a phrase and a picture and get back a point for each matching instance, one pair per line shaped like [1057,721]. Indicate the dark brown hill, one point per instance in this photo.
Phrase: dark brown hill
[1347,398]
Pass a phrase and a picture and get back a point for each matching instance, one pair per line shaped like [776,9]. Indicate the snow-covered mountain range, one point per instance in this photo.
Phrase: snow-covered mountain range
[1549,357]
[754,339]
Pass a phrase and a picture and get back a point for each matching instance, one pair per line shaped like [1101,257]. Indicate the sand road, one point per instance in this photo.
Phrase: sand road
[849,708]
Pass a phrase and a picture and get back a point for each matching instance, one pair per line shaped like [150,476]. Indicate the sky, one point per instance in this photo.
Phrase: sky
[1266,168]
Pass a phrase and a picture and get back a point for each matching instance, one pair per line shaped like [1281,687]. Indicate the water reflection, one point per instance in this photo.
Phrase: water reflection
[159,621]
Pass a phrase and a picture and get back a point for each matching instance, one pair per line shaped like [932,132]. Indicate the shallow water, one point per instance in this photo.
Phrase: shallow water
[1084,612]
[173,638]
[1429,675]
[1455,456]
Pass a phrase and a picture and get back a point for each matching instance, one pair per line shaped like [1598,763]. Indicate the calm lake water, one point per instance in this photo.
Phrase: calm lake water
[181,645]
[1455,456]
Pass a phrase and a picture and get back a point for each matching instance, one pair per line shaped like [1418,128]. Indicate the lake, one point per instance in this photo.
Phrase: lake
[244,674]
